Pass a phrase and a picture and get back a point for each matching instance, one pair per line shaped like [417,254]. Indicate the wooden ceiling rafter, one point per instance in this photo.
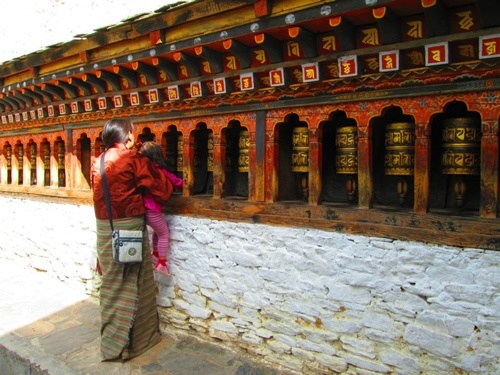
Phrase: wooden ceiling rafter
[111,79]
[128,75]
[85,87]
[28,101]
[70,90]
[38,98]
[166,67]
[98,83]
[148,71]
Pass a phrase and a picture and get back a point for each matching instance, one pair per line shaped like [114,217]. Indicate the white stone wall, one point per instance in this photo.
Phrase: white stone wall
[315,302]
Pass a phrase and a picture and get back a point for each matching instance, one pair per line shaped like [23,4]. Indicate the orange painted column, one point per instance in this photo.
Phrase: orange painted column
[218,171]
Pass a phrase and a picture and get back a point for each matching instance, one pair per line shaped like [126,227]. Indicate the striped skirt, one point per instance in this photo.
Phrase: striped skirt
[129,316]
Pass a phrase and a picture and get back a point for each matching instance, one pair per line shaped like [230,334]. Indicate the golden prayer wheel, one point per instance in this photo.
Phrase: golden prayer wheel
[461,146]
[46,156]
[400,149]
[346,144]
[60,155]
[9,157]
[210,157]
[300,149]
[180,153]
[243,147]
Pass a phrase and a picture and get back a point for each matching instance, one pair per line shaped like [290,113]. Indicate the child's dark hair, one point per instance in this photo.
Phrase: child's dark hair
[153,151]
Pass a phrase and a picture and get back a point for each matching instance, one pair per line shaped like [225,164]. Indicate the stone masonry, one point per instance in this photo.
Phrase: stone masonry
[315,302]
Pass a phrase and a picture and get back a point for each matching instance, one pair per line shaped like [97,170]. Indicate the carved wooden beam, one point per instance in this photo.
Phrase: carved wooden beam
[71,90]
[98,83]
[489,12]
[240,51]
[272,46]
[113,80]
[189,62]
[166,67]
[48,97]
[436,18]
[54,90]
[262,8]
[151,73]
[83,86]
[344,30]
[13,104]
[129,76]
[388,23]
[214,59]
[34,95]
[27,100]
[306,40]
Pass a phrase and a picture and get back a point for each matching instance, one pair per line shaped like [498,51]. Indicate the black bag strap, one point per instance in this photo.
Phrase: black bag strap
[108,206]
[106,192]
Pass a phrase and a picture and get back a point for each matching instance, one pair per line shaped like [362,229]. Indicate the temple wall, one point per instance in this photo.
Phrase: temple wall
[310,300]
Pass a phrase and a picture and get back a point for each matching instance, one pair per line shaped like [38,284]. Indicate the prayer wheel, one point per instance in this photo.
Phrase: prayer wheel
[171,151]
[33,163]
[20,155]
[60,164]
[461,146]
[243,147]
[210,156]
[9,157]
[346,143]
[300,149]
[180,153]
[400,149]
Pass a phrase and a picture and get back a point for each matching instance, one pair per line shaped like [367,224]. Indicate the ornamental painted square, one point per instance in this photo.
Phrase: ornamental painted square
[388,61]
[74,107]
[153,96]
[40,113]
[134,98]
[102,103]
[220,85]
[195,89]
[277,77]
[348,66]
[310,72]
[50,110]
[62,109]
[173,92]
[436,54]
[88,105]
[118,101]
[489,46]
[246,81]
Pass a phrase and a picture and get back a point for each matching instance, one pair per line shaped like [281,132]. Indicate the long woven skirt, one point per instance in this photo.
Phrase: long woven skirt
[129,315]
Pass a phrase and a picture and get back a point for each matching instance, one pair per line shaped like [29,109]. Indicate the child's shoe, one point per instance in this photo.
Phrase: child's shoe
[163,269]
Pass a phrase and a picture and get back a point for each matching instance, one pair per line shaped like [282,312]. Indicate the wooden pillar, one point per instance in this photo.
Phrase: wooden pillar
[188,170]
[365,167]
[3,167]
[26,166]
[257,159]
[489,169]
[422,167]
[218,172]
[40,166]
[54,166]
[271,164]
[14,165]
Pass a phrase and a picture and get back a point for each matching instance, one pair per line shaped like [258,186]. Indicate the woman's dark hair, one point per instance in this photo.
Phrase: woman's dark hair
[153,151]
[116,131]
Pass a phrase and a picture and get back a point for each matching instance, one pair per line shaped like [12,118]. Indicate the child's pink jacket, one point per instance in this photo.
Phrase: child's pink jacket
[150,202]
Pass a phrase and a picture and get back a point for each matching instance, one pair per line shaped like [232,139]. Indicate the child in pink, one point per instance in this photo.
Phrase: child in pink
[154,216]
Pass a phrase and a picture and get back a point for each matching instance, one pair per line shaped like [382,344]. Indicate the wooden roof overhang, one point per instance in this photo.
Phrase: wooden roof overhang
[200,40]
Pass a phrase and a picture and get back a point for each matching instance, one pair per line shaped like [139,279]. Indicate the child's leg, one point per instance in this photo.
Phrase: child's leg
[156,220]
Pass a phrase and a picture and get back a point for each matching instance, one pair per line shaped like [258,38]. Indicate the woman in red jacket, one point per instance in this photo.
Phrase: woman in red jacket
[129,316]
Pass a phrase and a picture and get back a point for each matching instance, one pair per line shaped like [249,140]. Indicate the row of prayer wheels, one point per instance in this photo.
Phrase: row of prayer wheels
[460,149]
